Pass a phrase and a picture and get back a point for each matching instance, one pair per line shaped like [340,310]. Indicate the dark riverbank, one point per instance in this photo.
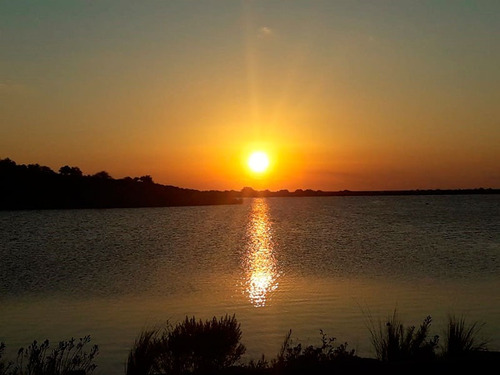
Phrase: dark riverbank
[249,192]
[478,363]
[38,187]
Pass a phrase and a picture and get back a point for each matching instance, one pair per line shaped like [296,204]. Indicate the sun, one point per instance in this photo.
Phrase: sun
[258,161]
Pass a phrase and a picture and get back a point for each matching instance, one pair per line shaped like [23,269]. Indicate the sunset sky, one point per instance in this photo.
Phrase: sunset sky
[340,94]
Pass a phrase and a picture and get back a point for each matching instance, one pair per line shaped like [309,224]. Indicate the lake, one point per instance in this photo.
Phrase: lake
[305,264]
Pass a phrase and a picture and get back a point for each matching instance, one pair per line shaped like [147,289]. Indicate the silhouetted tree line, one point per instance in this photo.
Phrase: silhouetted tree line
[38,187]
[34,186]
[248,192]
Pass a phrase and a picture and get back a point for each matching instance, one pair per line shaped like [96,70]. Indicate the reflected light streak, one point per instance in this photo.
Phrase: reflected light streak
[260,266]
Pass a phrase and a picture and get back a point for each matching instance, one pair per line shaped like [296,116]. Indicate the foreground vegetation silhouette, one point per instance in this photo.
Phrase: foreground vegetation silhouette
[68,358]
[213,347]
[192,346]
[461,338]
[393,342]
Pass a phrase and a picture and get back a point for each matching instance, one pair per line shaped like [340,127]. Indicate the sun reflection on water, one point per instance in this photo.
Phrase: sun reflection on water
[261,272]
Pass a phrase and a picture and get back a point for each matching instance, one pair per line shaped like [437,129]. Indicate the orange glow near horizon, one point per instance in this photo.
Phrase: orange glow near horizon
[348,99]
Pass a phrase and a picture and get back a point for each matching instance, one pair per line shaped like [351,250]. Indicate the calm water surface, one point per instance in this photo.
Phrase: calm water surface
[283,263]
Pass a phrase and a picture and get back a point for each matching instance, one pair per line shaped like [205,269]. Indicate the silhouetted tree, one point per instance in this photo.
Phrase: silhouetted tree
[70,171]
[103,175]
[39,169]
[147,179]
[248,192]
[7,163]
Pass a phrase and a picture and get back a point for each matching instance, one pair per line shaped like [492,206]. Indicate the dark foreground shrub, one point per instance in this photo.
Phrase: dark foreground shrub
[293,355]
[69,357]
[461,338]
[295,358]
[192,346]
[393,342]
[4,366]
[143,356]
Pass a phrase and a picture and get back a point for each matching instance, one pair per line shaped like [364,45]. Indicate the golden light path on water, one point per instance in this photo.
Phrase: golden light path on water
[260,266]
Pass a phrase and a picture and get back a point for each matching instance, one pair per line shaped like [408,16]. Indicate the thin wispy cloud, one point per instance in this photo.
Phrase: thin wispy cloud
[265,32]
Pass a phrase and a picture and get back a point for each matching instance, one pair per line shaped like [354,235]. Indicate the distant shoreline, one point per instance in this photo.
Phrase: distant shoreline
[35,187]
[248,192]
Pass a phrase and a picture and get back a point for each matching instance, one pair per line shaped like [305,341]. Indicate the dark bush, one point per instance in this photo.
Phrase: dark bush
[68,358]
[393,342]
[461,338]
[4,367]
[192,346]
[143,356]
[300,356]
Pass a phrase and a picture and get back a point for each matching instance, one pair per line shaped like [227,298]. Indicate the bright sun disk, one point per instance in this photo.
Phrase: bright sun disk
[258,161]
